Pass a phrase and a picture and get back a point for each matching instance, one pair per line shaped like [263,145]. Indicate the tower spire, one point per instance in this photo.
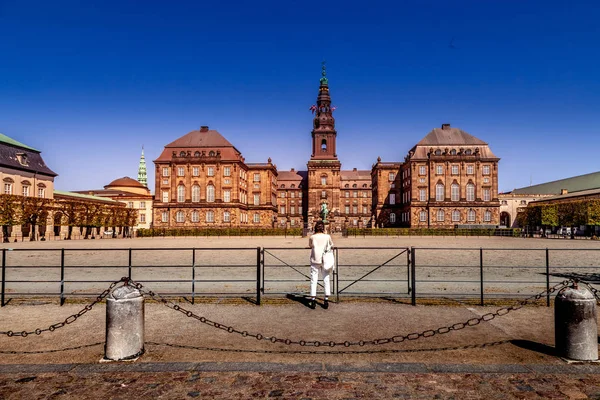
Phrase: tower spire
[323,133]
[142,177]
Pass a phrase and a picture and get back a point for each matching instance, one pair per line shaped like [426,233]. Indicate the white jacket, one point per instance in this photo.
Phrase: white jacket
[317,243]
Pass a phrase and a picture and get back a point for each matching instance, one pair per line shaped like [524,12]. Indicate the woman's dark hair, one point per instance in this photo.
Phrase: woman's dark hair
[319,227]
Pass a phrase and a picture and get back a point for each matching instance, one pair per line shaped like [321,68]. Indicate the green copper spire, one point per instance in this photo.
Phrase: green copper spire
[323,80]
[142,177]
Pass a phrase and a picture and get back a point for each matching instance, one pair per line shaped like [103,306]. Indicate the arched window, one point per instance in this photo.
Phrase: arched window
[455,216]
[324,145]
[195,193]
[364,185]
[354,185]
[180,193]
[455,189]
[470,192]
[323,180]
[487,216]
[471,215]
[346,186]
[211,153]
[182,154]
[438,152]
[282,186]
[197,154]
[293,186]
[468,152]
[180,216]
[440,215]
[439,192]
[210,193]
[453,152]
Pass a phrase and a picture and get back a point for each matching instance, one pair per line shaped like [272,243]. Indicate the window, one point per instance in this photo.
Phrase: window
[504,202]
[25,190]
[8,188]
[195,216]
[355,194]
[195,193]
[196,171]
[455,170]
[392,218]
[165,181]
[365,194]
[486,170]
[282,195]
[439,169]
[469,170]
[256,218]
[196,154]
[142,205]
[365,210]
[523,202]
[256,199]
[392,198]
[226,196]
[281,209]
[392,176]
[292,194]
[226,216]
[422,170]
[299,209]
[41,192]
[142,218]
[471,215]
[292,210]
[487,216]
[210,171]
[470,192]
[486,180]
[210,216]
[180,171]
[486,194]
[293,222]
[226,171]
[323,180]
[299,195]
[130,204]
[165,197]
[347,209]
[440,215]
[180,193]
[180,216]
[439,192]
[455,216]
[455,192]
[165,216]
[346,194]
[210,193]
[182,154]
[165,171]
[323,194]
[256,179]
[423,216]
[354,209]
[421,180]
[422,195]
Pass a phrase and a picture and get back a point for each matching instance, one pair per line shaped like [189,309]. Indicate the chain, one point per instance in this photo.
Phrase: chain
[71,318]
[394,339]
[594,291]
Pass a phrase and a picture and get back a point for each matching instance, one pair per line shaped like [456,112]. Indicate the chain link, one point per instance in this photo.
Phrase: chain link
[71,318]
[394,339]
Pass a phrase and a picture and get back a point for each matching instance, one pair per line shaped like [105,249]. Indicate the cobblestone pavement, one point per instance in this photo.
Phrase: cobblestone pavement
[278,381]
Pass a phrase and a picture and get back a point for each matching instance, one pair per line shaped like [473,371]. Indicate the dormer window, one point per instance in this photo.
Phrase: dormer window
[182,154]
[22,159]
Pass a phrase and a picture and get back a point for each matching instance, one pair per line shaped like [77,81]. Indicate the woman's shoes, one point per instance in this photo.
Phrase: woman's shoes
[326,304]
[312,304]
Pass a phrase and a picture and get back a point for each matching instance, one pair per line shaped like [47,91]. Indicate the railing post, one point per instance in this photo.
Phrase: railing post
[336,276]
[193,274]
[408,269]
[547,278]
[413,279]
[481,275]
[3,275]
[129,265]
[62,276]
[258,274]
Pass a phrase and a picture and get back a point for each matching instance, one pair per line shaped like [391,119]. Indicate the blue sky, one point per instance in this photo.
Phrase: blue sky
[89,83]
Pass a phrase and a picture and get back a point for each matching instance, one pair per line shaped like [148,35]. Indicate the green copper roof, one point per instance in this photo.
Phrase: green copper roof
[13,142]
[85,196]
[573,184]
[323,79]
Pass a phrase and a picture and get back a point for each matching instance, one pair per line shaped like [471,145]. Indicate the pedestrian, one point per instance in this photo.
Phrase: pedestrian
[318,243]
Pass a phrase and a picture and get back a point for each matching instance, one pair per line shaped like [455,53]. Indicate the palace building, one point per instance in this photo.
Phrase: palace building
[448,179]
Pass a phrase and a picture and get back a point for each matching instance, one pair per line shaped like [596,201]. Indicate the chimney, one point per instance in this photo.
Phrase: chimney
[445,126]
[204,128]
[292,170]
[564,191]
[353,169]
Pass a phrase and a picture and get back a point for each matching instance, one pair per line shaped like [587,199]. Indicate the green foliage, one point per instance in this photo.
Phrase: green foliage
[219,232]
[9,209]
[593,212]
[549,215]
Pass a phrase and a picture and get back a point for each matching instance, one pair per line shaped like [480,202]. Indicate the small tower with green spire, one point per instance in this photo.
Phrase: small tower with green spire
[142,177]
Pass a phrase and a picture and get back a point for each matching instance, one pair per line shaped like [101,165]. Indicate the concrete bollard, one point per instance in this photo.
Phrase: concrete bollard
[124,324]
[575,324]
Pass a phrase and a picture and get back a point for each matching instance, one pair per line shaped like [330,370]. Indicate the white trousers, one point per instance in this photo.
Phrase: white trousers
[314,279]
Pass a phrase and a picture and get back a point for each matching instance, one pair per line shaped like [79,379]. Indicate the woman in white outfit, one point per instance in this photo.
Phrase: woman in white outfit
[317,243]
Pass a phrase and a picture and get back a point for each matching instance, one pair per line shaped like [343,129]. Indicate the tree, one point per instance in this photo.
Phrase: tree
[33,210]
[9,215]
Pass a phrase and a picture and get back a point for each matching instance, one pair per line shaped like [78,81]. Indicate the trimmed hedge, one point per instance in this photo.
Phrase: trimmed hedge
[219,232]
[509,232]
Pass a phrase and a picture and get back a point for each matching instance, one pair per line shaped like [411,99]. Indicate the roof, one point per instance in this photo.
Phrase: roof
[573,184]
[291,175]
[204,138]
[113,193]
[84,196]
[13,142]
[355,175]
[209,138]
[573,195]
[449,136]
[126,182]
[18,156]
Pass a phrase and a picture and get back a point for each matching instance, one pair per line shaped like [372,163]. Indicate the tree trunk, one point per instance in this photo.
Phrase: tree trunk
[70,231]
[32,237]
[5,234]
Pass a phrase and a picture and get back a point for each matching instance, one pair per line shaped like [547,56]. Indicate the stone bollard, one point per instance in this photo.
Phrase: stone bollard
[575,324]
[124,324]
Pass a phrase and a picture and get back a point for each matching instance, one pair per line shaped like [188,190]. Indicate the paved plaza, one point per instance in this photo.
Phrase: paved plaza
[510,357]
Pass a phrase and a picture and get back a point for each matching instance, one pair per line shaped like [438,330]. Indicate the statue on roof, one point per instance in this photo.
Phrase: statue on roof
[323,79]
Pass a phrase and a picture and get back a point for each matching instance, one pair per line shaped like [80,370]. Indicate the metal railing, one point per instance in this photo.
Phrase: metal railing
[414,273]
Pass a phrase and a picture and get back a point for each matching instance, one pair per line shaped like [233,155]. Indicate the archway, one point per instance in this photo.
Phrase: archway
[505,219]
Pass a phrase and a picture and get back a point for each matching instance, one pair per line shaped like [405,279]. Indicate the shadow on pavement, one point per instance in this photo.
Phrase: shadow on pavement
[305,301]
[534,346]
